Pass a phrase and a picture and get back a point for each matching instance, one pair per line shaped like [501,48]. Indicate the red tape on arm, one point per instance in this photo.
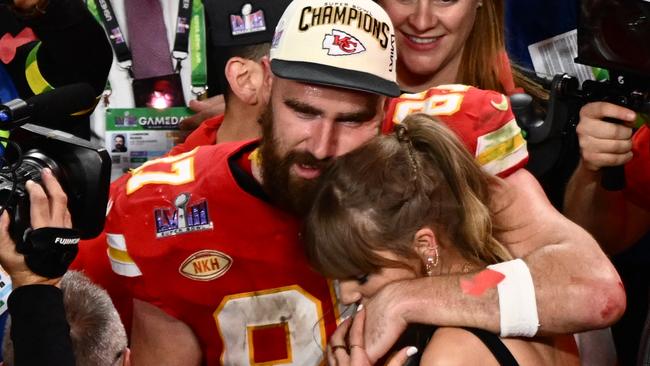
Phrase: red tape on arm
[483,281]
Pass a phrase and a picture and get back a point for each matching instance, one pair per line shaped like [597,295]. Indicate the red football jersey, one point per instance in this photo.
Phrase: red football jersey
[637,174]
[205,134]
[223,261]
[482,119]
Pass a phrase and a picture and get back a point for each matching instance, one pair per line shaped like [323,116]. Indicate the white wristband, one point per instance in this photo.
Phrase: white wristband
[517,302]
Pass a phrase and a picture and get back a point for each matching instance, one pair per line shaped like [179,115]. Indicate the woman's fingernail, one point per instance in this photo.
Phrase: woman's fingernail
[46,171]
[359,308]
[411,351]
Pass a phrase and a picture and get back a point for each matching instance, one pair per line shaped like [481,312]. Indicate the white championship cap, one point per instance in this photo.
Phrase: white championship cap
[348,44]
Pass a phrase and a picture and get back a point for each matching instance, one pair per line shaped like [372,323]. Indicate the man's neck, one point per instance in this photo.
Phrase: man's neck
[239,122]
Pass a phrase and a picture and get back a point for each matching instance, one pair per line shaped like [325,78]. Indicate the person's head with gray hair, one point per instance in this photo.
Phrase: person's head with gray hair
[98,336]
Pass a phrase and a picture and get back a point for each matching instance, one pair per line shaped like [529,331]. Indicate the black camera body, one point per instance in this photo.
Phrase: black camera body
[82,169]
[614,35]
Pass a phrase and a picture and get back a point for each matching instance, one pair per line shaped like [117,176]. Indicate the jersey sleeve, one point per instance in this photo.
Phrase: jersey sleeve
[637,174]
[121,262]
[481,119]
[205,134]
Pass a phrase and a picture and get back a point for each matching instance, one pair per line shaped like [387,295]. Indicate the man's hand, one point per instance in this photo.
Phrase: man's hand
[342,353]
[384,320]
[203,109]
[603,143]
[47,210]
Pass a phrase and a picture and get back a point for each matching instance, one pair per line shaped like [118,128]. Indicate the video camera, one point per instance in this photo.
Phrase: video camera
[614,35]
[82,169]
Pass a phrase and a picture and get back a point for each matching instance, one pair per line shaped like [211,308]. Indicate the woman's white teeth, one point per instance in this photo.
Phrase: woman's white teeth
[421,40]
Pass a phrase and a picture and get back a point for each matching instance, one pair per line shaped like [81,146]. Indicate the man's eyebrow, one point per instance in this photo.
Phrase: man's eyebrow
[359,116]
[301,107]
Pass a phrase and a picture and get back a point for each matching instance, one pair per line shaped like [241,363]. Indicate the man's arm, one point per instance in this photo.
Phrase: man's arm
[159,339]
[576,286]
[613,220]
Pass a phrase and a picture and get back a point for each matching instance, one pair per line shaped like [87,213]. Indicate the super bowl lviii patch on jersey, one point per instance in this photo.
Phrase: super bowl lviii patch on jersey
[205,265]
[183,217]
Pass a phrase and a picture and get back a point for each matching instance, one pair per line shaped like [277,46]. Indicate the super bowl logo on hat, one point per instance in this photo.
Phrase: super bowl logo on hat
[340,43]
[276,38]
[247,22]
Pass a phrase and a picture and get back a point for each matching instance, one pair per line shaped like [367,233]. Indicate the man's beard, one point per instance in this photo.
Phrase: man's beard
[288,191]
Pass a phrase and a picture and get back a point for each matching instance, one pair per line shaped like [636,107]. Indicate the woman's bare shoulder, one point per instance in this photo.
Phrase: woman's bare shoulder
[456,346]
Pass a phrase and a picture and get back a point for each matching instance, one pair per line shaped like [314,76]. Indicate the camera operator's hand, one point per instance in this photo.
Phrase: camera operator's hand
[47,210]
[602,143]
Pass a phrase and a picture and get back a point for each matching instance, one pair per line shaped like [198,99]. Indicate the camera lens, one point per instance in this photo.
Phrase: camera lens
[33,162]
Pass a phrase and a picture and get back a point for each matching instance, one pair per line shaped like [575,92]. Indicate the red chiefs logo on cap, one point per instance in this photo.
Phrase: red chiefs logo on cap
[339,43]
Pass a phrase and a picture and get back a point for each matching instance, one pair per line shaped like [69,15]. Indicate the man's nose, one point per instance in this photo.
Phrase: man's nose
[323,140]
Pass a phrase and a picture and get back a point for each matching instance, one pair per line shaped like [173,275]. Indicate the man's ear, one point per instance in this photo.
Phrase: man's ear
[425,243]
[126,357]
[246,78]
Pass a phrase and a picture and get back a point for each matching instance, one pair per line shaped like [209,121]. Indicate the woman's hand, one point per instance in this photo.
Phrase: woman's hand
[342,353]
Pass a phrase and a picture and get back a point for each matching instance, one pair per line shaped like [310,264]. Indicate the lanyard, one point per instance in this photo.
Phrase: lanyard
[190,27]
[107,17]
[198,59]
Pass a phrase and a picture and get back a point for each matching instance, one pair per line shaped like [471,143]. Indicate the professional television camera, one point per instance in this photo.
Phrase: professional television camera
[614,35]
[82,169]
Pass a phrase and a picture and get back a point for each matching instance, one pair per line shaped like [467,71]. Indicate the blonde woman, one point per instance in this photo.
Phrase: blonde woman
[407,205]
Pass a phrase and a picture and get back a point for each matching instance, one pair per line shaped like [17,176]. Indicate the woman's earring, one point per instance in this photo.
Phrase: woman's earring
[432,261]
[480,3]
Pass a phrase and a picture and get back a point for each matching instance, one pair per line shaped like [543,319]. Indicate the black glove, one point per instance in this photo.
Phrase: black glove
[49,251]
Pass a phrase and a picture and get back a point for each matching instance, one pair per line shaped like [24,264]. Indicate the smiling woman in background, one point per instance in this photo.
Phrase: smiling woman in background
[453,42]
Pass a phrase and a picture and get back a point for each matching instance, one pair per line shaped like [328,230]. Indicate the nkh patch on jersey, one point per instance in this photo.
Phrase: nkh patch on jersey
[205,265]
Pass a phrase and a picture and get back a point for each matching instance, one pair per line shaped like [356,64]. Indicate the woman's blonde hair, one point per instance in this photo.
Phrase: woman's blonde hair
[377,197]
[486,42]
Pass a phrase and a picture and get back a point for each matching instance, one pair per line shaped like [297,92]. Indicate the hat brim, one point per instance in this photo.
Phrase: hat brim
[314,73]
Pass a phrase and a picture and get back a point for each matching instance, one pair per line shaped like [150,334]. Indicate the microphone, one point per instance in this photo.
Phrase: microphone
[54,104]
